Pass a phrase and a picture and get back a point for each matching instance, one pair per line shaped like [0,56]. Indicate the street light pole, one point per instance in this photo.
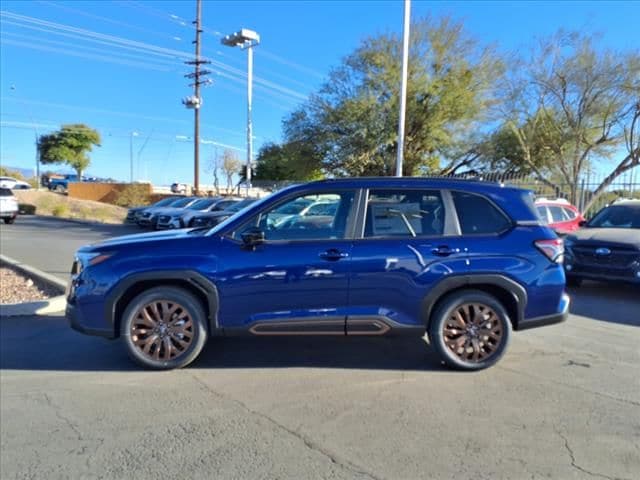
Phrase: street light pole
[403,89]
[249,118]
[246,39]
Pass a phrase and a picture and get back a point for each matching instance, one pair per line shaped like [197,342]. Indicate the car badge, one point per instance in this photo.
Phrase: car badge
[603,251]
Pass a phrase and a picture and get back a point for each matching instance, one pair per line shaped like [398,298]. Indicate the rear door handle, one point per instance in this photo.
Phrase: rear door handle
[333,254]
[444,251]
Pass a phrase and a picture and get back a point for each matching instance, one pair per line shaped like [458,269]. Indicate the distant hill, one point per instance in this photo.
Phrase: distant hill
[25,172]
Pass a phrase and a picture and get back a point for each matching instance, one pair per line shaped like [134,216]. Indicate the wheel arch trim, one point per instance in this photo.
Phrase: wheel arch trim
[456,282]
[193,278]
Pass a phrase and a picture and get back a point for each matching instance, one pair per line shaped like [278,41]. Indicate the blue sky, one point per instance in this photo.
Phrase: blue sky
[60,64]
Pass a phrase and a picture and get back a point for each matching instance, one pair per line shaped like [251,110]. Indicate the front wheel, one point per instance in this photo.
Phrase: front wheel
[164,328]
[470,330]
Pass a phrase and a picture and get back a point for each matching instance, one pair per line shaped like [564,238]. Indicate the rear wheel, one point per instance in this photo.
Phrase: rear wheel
[470,330]
[164,328]
[60,189]
[9,220]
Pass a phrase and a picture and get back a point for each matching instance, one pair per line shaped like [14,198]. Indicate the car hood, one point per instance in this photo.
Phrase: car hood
[626,236]
[219,213]
[138,238]
[168,211]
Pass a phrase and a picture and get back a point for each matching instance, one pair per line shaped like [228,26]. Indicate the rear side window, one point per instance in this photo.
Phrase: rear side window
[557,214]
[5,192]
[571,214]
[404,213]
[478,216]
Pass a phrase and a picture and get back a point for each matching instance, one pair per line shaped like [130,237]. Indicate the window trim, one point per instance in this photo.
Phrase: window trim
[349,227]
[450,228]
[510,222]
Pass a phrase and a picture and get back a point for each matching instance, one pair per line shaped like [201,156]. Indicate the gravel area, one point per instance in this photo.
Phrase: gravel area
[15,287]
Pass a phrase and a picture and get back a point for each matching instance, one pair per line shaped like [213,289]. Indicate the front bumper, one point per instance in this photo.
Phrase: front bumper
[9,214]
[75,319]
[559,317]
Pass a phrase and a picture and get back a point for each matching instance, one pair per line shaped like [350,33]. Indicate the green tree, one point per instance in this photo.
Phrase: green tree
[71,145]
[571,106]
[349,127]
[289,161]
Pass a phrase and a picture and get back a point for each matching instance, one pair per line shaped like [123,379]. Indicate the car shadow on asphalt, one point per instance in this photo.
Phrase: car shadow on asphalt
[607,302]
[47,343]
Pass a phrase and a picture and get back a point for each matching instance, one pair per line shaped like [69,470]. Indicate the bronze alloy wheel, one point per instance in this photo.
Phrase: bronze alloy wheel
[473,332]
[162,330]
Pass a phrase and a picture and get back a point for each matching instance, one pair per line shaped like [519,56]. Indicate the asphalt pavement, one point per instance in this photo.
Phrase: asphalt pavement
[50,243]
[564,403]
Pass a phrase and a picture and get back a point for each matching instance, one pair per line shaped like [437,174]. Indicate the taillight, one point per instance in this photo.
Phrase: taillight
[553,249]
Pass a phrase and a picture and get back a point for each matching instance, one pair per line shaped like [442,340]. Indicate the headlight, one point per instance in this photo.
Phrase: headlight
[85,260]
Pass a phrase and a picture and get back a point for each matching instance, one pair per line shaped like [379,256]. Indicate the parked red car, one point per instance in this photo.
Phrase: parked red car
[559,214]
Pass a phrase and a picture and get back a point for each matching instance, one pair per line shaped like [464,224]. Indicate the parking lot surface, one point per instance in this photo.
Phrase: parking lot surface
[49,243]
[563,403]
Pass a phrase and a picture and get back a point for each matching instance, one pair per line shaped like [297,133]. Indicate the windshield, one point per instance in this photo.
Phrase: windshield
[236,207]
[617,216]
[181,203]
[202,204]
[164,202]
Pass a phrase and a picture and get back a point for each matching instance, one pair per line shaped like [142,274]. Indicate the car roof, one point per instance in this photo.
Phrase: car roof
[452,183]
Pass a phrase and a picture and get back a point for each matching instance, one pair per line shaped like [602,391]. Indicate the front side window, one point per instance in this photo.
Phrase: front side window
[291,220]
[477,215]
[404,213]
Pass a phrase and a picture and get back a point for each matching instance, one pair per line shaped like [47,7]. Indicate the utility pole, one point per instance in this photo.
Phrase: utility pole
[403,89]
[195,102]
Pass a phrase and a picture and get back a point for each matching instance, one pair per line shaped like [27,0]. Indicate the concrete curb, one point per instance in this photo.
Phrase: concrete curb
[40,307]
[77,221]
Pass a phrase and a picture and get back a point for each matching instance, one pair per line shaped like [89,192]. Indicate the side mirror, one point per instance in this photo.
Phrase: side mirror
[252,237]
[582,223]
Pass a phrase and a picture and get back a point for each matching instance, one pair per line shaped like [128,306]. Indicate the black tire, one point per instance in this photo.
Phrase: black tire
[574,281]
[188,304]
[491,350]
[9,220]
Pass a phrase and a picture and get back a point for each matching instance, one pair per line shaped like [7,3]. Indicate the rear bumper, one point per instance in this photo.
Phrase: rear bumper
[75,319]
[559,317]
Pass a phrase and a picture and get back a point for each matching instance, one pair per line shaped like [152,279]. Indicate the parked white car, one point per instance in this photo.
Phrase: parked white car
[8,205]
[13,183]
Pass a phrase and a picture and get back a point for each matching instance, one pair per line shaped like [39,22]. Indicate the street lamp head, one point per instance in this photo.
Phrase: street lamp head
[242,38]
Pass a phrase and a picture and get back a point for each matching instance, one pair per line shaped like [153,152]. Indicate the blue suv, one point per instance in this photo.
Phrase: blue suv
[464,262]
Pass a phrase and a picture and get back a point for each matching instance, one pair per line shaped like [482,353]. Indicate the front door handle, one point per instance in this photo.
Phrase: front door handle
[333,254]
[444,251]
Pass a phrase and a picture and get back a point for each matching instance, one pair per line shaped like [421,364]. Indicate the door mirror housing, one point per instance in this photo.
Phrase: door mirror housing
[582,223]
[253,237]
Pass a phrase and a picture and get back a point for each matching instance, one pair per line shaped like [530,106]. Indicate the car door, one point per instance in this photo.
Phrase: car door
[296,280]
[408,242]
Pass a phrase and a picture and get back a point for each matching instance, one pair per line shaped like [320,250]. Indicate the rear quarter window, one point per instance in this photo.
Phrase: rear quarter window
[5,192]
[479,216]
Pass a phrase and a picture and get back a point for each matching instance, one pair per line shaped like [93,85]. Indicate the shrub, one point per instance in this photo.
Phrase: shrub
[60,210]
[26,209]
[133,195]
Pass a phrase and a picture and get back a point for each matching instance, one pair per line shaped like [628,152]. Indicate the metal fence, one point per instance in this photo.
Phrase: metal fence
[581,195]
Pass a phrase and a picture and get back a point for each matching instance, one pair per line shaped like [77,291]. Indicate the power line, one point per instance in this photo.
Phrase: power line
[181,21]
[120,42]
